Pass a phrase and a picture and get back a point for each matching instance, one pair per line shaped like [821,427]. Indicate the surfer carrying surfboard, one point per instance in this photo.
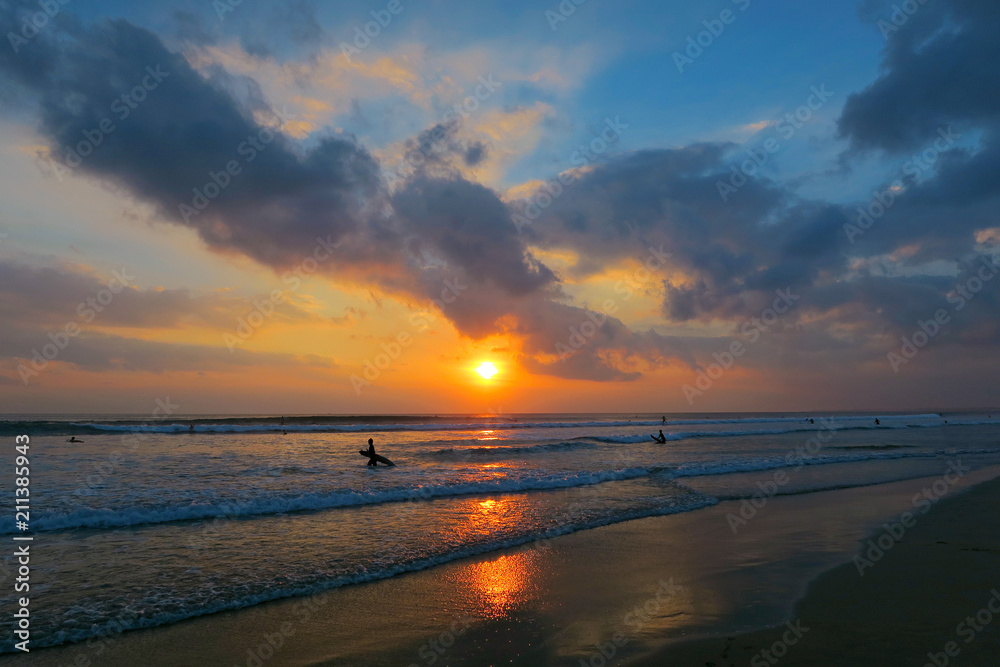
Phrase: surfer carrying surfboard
[662,439]
[373,458]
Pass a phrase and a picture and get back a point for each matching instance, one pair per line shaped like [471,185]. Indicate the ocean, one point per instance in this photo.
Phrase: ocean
[149,522]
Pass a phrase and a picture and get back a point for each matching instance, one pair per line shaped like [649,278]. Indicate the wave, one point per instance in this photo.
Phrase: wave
[689,435]
[702,468]
[689,502]
[874,447]
[618,439]
[325,428]
[344,428]
[96,518]
[136,516]
[388,423]
[587,441]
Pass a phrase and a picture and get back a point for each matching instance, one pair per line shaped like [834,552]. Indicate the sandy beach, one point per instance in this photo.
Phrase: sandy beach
[932,599]
[634,592]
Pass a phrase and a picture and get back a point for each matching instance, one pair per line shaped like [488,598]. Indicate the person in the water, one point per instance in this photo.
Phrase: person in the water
[371,453]
[659,438]
[74,439]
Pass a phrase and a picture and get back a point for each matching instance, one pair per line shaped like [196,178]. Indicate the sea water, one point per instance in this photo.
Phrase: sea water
[146,523]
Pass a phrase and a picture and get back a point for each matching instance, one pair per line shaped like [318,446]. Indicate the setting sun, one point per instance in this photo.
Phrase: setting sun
[487,370]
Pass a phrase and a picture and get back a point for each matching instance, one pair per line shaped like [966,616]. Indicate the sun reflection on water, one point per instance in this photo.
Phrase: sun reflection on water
[497,585]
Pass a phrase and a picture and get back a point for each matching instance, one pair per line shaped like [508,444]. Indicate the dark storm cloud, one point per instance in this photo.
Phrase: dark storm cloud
[440,151]
[732,259]
[939,70]
[476,153]
[659,197]
[470,228]
[184,131]
[937,105]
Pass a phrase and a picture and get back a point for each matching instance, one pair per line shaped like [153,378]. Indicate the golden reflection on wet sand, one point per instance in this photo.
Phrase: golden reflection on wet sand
[497,586]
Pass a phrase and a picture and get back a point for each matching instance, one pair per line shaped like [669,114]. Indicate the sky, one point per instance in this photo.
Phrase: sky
[348,207]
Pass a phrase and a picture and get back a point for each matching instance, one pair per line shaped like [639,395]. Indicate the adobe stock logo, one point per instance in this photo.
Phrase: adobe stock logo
[33,24]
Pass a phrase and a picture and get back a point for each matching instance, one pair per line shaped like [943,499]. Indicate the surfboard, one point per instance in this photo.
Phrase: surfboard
[657,439]
[378,457]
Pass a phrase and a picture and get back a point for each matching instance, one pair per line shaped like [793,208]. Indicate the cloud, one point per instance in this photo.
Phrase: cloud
[97,352]
[440,236]
[468,225]
[937,71]
[39,302]
[188,129]
[52,296]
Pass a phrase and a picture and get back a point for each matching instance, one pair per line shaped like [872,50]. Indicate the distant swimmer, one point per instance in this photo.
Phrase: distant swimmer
[282,421]
[659,438]
[812,421]
[877,422]
[74,439]
[191,428]
[664,419]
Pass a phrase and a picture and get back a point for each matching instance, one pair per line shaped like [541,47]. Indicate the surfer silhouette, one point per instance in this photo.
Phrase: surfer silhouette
[877,422]
[659,438]
[74,439]
[373,458]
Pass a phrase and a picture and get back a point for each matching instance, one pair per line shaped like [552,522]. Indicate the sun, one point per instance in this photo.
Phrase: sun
[487,370]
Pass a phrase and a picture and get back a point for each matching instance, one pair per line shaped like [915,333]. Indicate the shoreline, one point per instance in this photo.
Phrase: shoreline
[649,583]
[932,598]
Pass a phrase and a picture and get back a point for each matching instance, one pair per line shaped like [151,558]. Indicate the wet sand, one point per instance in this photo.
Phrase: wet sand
[635,592]
[933,598]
